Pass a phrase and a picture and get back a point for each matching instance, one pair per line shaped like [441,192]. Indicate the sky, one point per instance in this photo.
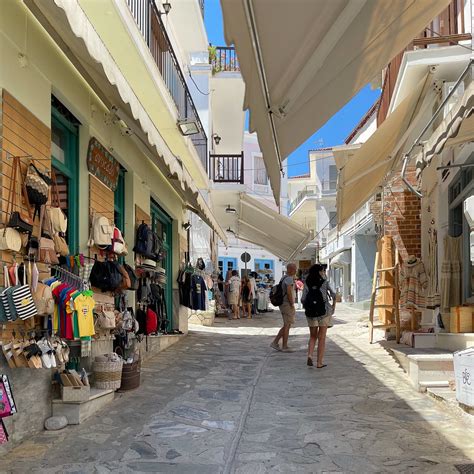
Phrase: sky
[332,133]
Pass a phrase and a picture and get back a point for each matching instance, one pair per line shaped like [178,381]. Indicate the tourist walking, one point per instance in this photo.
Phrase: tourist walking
[234,294]
[287,309]
[246,297]
[319,302]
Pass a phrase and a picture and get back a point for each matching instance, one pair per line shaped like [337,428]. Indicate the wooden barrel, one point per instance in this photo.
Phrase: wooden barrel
[130,376]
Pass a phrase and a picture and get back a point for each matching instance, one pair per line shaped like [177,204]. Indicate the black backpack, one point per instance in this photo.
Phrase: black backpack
[277,295]
[145,241]
[105,275]
[314,303]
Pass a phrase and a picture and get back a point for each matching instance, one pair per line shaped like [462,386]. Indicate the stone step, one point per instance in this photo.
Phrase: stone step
[435,384]
[77,412]
[425,364]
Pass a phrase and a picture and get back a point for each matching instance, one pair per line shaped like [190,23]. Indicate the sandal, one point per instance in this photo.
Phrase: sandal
[309,362]
[7,352]
[321,366]
[19,356]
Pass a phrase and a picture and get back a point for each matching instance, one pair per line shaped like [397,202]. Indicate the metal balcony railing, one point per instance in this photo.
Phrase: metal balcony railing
[227,168]
[305,192]
[329,186]
[148,19]
[223,59]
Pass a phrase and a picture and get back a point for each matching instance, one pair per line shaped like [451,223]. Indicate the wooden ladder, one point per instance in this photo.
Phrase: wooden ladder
[376,286]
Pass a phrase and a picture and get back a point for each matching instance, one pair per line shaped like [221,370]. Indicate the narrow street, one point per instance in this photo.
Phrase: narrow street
[222,401]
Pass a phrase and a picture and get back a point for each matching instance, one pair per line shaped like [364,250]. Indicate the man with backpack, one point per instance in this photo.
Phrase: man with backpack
[283,295]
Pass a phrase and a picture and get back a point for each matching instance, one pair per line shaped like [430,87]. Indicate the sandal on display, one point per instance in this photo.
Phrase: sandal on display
[19,356]
[7,352]
[45,356]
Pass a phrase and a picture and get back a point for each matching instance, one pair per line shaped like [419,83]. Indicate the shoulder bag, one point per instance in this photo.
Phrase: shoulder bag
[46,248]
[55,213]
[20,219]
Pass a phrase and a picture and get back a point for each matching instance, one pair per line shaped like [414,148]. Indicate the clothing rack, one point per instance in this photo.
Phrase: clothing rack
[70,278]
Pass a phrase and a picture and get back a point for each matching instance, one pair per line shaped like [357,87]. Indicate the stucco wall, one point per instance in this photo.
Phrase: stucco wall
[363,251]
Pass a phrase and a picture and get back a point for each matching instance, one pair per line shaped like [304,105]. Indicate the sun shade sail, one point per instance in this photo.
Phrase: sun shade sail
[70,27]
[256,223]
[456,128]
[303,60]
[362,170]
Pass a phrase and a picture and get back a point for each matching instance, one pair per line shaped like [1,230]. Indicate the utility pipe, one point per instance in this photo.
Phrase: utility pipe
[406,157]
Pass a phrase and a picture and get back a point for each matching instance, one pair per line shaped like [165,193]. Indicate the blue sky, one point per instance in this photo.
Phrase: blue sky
[333,132]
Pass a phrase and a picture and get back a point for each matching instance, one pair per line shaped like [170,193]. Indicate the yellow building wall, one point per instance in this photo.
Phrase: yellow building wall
[33,68]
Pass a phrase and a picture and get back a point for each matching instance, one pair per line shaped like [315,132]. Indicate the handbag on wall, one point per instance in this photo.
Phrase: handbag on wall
[10,238]
[46,251]
[23,300]
[20,217]
[37,186]
[43,298]
[105,319]
[56,216]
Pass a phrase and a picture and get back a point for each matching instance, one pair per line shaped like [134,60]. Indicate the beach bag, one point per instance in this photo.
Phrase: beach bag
[102,232]
[10,239]
[43,298]
[276,294]
[314,304]
[46,248]
[105,319]
[57,218]
[23,300]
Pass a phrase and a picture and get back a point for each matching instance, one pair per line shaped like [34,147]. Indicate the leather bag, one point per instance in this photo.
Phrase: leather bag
[20,217]
[47,250]
[57,218]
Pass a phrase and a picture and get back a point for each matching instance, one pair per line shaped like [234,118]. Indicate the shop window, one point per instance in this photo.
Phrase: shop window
[461,188]
[161,224]
[65,156]
[261,264]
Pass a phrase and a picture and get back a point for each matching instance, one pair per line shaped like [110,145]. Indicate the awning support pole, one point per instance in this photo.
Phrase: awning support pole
[406,157]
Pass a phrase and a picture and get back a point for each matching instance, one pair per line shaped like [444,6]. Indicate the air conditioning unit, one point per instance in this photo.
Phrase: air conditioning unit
[447,88]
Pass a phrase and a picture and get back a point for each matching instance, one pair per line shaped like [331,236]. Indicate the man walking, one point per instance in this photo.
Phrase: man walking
[287,309]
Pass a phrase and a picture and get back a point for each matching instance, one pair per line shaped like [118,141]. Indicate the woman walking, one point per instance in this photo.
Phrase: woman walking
[246,297]
[319,302]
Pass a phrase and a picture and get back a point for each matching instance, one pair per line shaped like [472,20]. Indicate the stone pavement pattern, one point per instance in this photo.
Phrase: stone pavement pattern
[222,401]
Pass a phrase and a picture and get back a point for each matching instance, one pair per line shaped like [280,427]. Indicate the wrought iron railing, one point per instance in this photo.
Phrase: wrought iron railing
[227,168]
[148,19]
[223,59]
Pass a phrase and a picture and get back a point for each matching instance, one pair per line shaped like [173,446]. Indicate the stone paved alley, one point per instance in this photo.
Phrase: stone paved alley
[222,401]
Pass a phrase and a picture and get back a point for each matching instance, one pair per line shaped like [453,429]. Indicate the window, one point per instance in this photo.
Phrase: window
[262,265]
[64,160]
[332,219]
[461,188]
[260,171]
[332,177]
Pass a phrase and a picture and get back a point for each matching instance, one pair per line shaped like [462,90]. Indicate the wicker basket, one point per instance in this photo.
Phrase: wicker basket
[130,376]
[108,375]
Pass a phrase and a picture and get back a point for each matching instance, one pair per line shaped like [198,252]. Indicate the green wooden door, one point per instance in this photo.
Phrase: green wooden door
[162,224]
[65,160]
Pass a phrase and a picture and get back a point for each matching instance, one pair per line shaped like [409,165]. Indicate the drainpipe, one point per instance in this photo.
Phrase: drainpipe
[406,157]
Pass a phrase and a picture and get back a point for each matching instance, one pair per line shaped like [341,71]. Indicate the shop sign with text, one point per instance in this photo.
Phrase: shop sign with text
[102,164]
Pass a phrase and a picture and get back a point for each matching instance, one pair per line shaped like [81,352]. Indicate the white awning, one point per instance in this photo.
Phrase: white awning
[303,60]
[256,223]
[456,128]
[70,27]
[341,259]
[362,170]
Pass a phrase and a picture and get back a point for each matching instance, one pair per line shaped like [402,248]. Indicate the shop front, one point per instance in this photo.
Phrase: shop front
[92,239]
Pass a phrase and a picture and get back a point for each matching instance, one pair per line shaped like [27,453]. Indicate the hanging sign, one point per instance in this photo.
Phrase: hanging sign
[102,164]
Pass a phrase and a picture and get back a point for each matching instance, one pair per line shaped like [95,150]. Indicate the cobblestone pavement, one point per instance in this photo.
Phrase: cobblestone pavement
[222,401]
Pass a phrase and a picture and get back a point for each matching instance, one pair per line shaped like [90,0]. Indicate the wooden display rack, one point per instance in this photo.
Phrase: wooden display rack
[379,283]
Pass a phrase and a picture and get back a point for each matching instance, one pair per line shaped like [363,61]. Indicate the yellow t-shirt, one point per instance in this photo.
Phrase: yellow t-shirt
[84,305]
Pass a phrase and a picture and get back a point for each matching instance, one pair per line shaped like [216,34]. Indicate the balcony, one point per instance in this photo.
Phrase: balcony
[148,20]
[328,187]
[227,168]
[223,59]
[305,192]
